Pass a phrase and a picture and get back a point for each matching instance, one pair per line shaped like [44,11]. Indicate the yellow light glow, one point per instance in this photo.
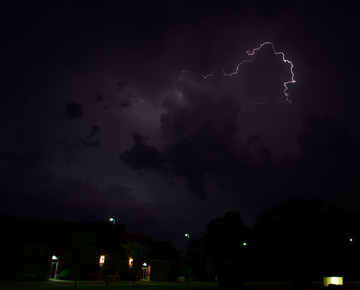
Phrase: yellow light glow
[131,260]
[333,281]
[102,260]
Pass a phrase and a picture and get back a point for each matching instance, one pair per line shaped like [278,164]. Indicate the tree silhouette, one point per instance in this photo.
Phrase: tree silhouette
[225,250]
[80,257]
[139,252]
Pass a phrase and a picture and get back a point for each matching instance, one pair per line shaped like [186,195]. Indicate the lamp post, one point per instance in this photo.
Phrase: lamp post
[112,220]
[187,258]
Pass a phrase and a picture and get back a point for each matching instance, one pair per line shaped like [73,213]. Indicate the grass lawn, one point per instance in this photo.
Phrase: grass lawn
[127,285]
[100,285]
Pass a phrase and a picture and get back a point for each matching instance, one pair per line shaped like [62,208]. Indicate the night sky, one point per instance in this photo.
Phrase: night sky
[99,121]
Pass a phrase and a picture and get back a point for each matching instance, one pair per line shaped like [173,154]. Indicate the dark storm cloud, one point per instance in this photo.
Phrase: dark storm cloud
[143,156]
[198,101]
[123,97]
[90,140]
[204,158]
[74,110]
[205,147]
[203,144]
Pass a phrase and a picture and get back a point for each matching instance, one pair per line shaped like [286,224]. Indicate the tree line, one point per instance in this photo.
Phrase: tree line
[301,240]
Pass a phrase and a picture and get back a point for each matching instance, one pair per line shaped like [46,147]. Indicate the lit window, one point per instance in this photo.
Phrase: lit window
[131,260]
[333,281]
[102,260]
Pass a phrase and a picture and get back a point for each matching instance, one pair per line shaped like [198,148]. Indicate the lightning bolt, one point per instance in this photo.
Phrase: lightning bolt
[252,54]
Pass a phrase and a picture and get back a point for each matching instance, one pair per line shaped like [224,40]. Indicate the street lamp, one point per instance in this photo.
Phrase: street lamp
[187,258]
[112,220]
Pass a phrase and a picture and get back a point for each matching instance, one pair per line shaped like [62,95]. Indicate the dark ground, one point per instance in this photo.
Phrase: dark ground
[124,285]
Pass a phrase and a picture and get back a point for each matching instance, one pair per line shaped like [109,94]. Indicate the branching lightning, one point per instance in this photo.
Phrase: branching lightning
[251,54]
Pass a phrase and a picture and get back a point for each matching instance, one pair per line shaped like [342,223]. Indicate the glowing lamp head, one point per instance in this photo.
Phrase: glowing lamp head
[131,261]
[102,260]
[112,220]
